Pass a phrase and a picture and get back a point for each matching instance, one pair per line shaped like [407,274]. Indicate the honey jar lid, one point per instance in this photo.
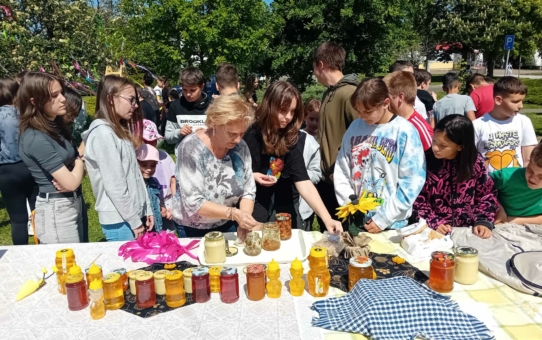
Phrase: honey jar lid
[465,251]
[144,276]
[215,270]
[273,266]
[200,271]
[442,256]
[75,270]
[318,252]
[188,272]
[161,274]
[214,236]
[74,278]
[95,284]
[361,261]
[93,269]
[296,264]
[111,277]
[228,271]
[120,271]
[133,274]
[255,269]
[282,217]
[68,252]
[174,275]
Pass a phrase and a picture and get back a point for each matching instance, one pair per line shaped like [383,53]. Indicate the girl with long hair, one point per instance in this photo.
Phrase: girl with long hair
[122,201]
[458,191]
[46,146]
[275,146]
[251,85]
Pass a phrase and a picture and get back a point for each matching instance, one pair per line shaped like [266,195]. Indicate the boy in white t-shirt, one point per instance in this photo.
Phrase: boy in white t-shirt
[505,137]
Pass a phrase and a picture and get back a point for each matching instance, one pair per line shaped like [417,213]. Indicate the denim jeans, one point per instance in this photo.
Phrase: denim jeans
[228,227]
[59,220]
[118,232]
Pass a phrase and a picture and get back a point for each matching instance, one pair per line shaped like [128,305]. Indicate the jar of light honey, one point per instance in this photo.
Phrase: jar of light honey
[113,293]
[187,276]
[175,294]
[215,247]
[132,275]
[159,282]
[466,265]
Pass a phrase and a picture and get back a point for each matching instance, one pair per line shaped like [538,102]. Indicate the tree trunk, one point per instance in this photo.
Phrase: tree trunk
[490,66]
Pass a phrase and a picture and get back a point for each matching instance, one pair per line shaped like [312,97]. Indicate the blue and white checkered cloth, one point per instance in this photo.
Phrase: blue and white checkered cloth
[398,308]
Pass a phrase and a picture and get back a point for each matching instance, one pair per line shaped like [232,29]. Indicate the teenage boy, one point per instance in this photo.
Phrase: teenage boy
[381,156]
[520,192]
[336,113]
[402,90]
[193,101]
[453,102]
[505,137]
[423,81]
[481,92]
[404,65]
[227,80]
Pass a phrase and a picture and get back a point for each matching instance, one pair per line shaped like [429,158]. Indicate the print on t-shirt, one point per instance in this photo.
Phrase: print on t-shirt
[501,150]
[365,175]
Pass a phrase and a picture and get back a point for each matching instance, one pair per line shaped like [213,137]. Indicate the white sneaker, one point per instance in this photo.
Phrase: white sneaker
[30,230]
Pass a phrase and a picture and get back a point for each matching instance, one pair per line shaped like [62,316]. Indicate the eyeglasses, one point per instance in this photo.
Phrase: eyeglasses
[132,100]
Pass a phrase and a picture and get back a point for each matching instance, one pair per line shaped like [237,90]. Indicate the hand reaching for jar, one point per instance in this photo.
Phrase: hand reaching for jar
[244,219]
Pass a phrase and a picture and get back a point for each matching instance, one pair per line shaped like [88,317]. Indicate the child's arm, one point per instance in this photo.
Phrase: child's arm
[485,196]
[525,220]
[471,115]
[501,215]
[173,185]
[470,109]
[313,165]
[526,154]
[343,172]
[411,179]
[423,207]
[529,140]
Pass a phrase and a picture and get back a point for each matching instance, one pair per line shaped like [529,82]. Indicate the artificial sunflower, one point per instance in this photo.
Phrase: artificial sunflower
[362,204]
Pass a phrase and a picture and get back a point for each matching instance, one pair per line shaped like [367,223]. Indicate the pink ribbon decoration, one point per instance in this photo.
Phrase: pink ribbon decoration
[157,248]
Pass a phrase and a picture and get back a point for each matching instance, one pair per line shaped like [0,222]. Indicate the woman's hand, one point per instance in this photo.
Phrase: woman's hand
[482,231]
[264,180]
[139,232]
[444,229]
[333,226]
[150,222]
[245,220]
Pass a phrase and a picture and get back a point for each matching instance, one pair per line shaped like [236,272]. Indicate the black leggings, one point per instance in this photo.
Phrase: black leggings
[17,185]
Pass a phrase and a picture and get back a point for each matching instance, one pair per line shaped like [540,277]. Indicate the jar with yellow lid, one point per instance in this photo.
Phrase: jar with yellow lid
[159,282]
[215,247]
[187,277]
[96,295]
[76,289]
[175,294]
[94,272]
[318,276]
[466,265]
[297,284]
[214,277]
[113,293]
[123,277]
[64,260]
[145,292]
[132,275]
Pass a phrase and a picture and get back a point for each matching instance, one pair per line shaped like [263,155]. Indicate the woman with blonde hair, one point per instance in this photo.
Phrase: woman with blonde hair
[122,202]
[277,159]
[215,185]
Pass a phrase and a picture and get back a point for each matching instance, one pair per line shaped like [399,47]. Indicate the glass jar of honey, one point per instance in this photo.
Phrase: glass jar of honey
[229,285]
[215,247]
[253,244]
[466,265]
[132,275]
[76,289]
[94,272]
[145,292]
[201,290]
[113,293]
[160,282]
[284,221]
[187,276]
[64,260]
[441,271]
[214,274]
[175,294]
[360,267]
[271,236]
[123,278]
[255,282]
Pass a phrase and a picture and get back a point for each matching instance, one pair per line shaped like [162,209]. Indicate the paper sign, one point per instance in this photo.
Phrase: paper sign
[195,121]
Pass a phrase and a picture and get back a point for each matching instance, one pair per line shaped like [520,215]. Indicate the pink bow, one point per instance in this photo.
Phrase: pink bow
[165,246]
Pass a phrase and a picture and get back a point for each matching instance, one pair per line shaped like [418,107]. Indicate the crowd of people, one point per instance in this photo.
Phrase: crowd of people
[461,161]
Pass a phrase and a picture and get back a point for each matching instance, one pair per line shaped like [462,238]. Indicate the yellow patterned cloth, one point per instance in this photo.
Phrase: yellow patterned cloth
[513,315]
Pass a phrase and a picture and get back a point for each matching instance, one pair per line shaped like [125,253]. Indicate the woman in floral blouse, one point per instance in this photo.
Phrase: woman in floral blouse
[215,185]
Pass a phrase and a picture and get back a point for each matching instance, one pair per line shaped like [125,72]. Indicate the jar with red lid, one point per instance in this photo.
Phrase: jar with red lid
[229,285]
[255,282]
[201,288]
[441,271]
[145,293]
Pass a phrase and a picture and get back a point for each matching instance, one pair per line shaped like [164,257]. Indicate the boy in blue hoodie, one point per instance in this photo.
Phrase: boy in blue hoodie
[382,156]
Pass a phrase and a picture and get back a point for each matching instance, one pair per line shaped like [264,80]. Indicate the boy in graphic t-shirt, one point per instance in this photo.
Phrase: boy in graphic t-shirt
[520,192]
[505,137]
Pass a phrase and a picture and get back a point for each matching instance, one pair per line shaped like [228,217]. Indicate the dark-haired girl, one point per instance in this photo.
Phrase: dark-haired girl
[458,191]
[276,148]
[46,147]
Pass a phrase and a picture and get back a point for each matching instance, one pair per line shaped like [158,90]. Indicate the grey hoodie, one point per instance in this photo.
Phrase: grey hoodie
[117,184]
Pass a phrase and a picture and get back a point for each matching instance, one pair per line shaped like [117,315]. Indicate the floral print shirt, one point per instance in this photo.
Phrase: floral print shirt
[9,134]
[202,177]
